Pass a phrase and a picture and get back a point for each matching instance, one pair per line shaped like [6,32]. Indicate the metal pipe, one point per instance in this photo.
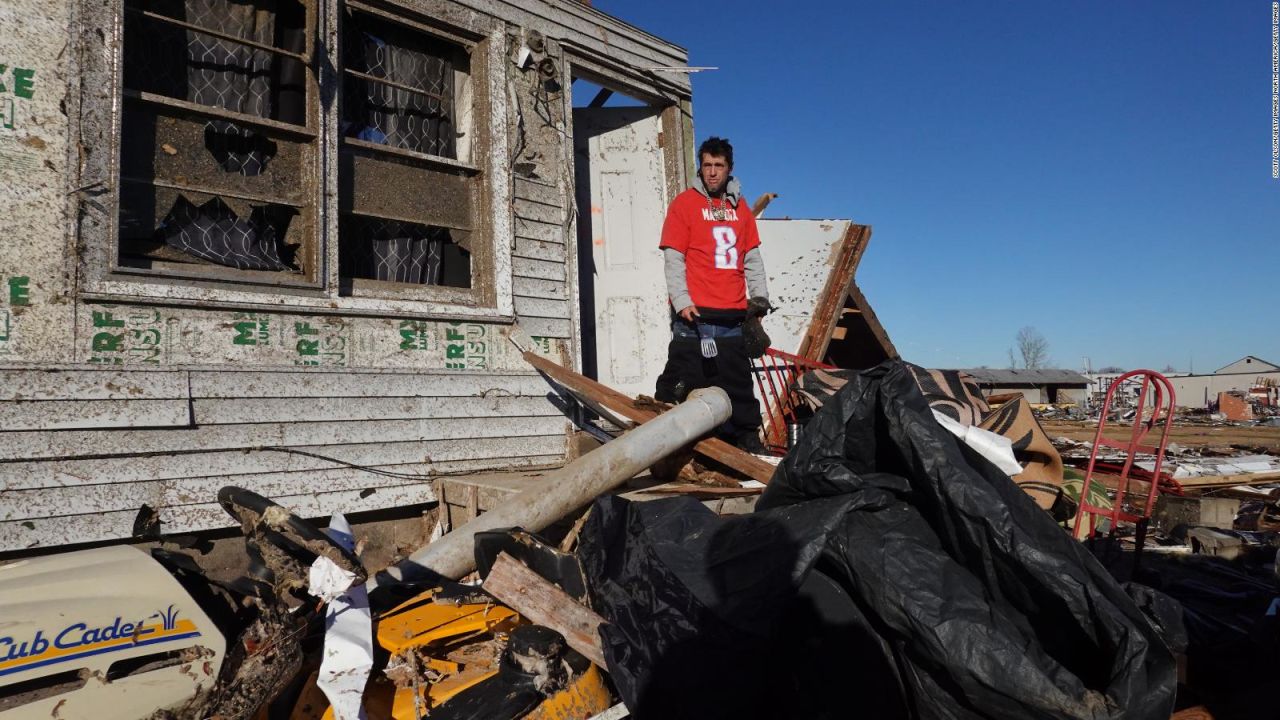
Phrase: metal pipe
[571,487]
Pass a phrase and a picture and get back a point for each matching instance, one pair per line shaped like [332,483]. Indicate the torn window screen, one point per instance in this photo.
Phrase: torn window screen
[209,166]
[400,91]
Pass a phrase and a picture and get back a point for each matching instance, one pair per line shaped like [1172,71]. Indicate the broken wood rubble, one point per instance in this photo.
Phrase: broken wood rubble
[517,612]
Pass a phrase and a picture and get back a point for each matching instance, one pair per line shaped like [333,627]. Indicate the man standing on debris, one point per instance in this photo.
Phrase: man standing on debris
[712,263]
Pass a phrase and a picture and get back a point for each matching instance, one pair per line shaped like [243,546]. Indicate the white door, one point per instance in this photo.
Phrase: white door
[625,318]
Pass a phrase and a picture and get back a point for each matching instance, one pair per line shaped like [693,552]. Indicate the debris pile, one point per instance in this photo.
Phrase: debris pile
[900,554]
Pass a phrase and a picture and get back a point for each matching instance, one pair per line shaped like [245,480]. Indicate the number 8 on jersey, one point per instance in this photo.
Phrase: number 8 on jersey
[726,247]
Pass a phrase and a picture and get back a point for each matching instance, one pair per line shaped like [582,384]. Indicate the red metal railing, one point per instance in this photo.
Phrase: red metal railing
[775,375]
[1164,402]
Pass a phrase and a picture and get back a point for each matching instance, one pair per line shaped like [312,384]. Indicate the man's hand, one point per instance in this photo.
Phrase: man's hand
[759,307]
[688,313]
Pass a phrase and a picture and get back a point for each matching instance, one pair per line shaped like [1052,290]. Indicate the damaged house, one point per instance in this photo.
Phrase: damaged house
[282,244]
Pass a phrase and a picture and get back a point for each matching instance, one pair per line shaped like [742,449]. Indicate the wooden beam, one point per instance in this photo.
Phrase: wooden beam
[872,321]
[537,599]
[761,203]
[813,346]
[696,490]
[599,394]
[1206,481]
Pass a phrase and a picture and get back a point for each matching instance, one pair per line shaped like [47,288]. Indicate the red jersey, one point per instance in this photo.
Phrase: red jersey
[715,239]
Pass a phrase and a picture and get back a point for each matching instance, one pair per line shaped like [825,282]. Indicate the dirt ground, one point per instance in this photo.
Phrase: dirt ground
[1223,437]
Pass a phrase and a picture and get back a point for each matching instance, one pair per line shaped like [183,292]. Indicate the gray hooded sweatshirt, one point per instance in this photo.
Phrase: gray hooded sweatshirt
[752,263]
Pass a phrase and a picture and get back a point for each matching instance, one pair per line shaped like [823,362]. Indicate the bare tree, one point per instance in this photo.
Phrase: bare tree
[1013,362]
[1033,348]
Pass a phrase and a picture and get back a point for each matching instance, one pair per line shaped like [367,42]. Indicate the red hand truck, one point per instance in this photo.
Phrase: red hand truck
[1144,422]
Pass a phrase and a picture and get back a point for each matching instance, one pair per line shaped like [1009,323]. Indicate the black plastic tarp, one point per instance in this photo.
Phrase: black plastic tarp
[889,571]
[1227,621]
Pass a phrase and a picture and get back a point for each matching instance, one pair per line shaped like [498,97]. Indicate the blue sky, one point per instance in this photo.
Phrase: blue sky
[1098,170]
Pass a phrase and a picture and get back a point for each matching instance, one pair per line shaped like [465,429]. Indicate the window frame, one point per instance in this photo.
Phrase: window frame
[96,108]
[470,168]
[308,137]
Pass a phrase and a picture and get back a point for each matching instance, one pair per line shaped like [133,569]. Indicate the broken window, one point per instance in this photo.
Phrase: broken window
[217,148]
[406,184]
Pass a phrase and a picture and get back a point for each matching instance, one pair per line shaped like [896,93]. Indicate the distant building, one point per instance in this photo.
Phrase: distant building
[1242,375]
[1037,386]
[1198,391]
[1100,383]
[1247,364]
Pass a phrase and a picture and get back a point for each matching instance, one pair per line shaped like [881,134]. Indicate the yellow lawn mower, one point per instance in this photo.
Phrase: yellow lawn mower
[119,633]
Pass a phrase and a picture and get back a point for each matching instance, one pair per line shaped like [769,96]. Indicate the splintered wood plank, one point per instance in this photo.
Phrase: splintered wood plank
[539,600]
[696,490]
[712,448]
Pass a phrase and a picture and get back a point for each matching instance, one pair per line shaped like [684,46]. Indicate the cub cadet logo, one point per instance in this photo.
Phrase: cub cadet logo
[79,640]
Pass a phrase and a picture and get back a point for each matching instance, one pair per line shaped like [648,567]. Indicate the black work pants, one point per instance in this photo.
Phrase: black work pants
[730,371]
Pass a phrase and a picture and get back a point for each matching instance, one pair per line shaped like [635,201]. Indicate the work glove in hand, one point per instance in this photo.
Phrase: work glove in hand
[754,339]
[758,307]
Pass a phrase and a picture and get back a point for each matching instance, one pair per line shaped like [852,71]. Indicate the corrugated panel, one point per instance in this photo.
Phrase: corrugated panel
[1016,377]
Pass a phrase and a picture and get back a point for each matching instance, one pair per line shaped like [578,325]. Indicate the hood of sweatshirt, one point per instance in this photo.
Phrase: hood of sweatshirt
[732,190]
